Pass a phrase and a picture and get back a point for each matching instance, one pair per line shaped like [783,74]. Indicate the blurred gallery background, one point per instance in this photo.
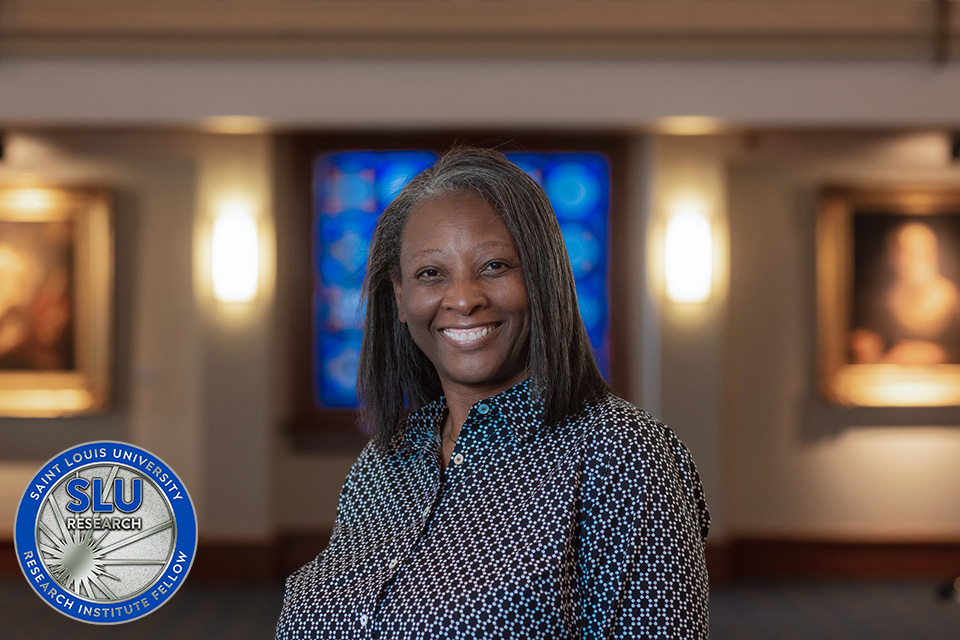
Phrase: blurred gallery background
[761,199]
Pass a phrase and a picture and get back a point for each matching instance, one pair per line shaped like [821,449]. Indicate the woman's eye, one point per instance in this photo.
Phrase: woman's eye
[496,266]
[428,273]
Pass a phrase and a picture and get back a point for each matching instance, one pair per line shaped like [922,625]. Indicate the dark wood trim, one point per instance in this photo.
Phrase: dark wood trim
[235,562]
[620,275]
[327,430]
[313,428]
[228,562]
[739,559]
[719,563]
[297,549]
[8,560]
[797,558]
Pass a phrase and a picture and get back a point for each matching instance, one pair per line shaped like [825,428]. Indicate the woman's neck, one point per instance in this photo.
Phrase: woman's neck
[461,398]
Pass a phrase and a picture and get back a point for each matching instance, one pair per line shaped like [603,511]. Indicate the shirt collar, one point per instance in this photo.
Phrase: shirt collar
[517,408]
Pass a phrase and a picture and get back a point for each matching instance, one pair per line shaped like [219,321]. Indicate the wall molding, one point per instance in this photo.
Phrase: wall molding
[739,559]
[787,558]
[926,29]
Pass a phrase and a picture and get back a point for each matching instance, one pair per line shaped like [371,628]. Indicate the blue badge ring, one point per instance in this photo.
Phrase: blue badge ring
[105,532]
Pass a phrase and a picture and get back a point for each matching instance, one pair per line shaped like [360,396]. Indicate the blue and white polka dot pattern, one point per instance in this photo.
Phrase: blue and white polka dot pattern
[593,528]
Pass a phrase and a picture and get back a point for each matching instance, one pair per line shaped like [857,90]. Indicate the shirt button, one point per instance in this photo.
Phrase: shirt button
[426,512]
[393,563]
[363,619]
[483,409]
[458,459]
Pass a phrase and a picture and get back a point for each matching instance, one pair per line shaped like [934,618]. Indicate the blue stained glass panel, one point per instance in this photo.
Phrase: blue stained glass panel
[351,190]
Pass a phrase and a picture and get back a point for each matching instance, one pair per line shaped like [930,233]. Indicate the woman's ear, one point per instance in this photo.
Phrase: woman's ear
[398,295]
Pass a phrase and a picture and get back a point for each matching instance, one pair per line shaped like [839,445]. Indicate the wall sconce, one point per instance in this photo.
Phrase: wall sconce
[31,201]
[235,254]
[688,254]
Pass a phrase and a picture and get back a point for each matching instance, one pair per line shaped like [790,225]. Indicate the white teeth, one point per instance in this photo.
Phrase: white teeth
[467,336]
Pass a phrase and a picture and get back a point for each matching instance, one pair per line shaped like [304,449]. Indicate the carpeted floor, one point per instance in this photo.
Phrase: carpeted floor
[771,611]
[833,611]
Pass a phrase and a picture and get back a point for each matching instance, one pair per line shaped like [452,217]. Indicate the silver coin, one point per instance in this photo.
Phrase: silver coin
[108,555]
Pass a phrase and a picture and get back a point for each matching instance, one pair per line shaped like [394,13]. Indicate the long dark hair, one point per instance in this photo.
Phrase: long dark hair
[396,377]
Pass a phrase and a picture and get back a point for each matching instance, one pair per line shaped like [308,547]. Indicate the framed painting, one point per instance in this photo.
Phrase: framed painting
[56,291]
[888,290]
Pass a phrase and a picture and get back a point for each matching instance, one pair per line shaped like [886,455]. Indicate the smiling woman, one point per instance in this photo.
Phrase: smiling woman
[506,492]
[462,296]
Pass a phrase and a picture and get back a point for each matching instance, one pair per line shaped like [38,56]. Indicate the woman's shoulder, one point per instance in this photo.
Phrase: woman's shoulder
[625,445]
[613,431]
[611,420]
[372,459]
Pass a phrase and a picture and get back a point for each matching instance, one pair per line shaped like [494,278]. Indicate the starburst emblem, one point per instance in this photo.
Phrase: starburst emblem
[105,558]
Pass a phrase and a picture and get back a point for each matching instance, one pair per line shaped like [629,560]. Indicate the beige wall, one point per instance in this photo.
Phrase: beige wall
[205,389]
[153,183]
[681,350]
[193,381]
[799,467]
[378,93]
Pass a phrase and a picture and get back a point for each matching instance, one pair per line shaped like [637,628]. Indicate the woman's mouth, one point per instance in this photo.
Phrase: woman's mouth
[463,336]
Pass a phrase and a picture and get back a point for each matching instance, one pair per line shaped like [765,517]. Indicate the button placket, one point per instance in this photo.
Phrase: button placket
[483,409]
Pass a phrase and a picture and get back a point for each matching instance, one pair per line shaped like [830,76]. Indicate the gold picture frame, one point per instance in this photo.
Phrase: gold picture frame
[888,277]
[56,301]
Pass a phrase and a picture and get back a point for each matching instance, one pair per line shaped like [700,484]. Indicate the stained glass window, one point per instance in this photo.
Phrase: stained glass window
[351,190]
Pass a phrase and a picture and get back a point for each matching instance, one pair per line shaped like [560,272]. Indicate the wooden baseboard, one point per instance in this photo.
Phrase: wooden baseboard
[215,562]
[298,549]
[228,562]
[768,558]
[8,560]
[235,563]
[748,558]
[738,559]
[719,563]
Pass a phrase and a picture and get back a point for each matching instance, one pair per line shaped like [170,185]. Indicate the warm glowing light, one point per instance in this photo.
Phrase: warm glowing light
[29,200]
[689,125]
[890,385]
[45,403]
[235,254]
[235,124]
[688,254]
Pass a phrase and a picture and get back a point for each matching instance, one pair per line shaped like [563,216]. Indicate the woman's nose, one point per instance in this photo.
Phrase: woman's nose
[465,295]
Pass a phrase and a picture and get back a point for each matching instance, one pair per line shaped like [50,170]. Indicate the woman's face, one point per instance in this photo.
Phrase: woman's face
[462,294]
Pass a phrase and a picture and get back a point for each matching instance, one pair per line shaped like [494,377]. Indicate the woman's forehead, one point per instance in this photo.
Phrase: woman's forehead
[462,217]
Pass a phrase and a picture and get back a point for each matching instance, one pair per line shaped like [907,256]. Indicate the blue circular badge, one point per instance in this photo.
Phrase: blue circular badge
[105,532]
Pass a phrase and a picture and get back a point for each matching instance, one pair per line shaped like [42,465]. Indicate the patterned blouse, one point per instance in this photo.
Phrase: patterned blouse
[591,529]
